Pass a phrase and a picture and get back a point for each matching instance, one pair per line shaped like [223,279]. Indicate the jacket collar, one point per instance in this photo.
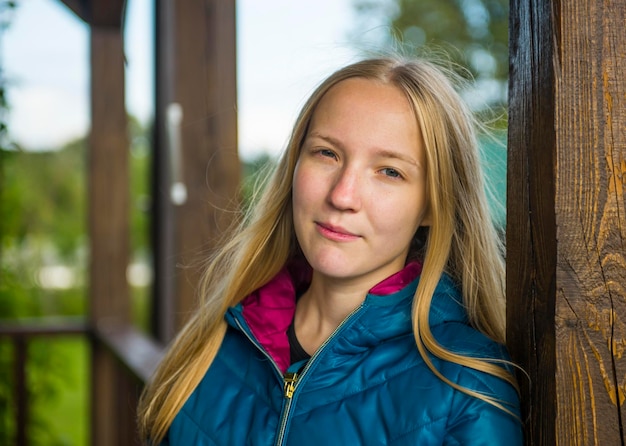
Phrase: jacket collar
[385,313]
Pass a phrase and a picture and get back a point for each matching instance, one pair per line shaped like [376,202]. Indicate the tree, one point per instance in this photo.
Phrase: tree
[7,8]
[473,33]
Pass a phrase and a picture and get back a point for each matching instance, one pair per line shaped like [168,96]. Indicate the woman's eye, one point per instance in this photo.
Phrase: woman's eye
[327,153]
[390,172]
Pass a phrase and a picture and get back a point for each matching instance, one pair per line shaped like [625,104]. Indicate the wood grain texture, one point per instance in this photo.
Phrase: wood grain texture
[531,228]
[591,219]
[566,226]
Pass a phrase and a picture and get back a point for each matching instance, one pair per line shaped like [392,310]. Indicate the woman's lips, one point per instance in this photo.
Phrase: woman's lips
[335,233]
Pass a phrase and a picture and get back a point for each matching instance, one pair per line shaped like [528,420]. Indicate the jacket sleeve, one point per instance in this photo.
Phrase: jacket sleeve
[474,421]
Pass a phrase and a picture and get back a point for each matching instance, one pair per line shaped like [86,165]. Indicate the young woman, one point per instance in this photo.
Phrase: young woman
[361,301]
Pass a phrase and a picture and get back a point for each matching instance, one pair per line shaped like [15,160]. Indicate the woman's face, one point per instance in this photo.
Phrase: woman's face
[359,187]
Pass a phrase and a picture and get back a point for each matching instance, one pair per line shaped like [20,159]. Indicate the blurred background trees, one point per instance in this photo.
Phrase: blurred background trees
[472,33]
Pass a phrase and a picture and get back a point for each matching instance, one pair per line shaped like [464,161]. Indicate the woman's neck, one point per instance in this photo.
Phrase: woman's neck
[322,308]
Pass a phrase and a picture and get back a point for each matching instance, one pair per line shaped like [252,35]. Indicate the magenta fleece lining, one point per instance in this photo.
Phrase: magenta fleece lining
[270,309]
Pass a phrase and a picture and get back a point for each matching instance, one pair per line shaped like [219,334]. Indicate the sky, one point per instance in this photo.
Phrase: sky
[285,49]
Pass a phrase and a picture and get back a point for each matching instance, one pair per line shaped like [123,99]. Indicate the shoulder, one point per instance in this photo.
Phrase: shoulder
[471,405]
[498,423]
[451,327]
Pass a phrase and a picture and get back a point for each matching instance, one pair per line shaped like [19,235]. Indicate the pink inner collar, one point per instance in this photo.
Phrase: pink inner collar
[270,309]
[397,281]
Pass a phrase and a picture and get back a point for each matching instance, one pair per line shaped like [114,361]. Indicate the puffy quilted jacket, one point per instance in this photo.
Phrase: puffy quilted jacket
[366,385]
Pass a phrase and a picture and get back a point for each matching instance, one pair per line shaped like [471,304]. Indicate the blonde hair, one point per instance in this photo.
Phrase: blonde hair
[461,241]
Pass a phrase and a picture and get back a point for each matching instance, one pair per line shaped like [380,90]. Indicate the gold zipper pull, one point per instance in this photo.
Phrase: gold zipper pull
[290,383]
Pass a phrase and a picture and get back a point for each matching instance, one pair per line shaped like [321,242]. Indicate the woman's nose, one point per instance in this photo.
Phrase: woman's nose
[345,192]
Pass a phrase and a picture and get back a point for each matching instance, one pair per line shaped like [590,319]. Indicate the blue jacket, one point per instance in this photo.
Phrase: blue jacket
[366,385]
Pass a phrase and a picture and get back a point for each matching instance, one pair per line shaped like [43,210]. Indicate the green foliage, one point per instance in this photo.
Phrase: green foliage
[7,8]
[57,380]
[141,204]
[16,299]
[44,223]
[473,33]
[140,199]
[254,172]
[52,375]
[7,412]
[53,370]
[44,197]
[57,392]
[42,209]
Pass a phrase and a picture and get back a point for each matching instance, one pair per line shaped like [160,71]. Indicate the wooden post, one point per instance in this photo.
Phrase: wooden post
[566,228]
[196,82]
[108,222]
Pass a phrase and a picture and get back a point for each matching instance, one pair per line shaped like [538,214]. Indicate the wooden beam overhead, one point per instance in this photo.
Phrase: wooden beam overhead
[78,7]
[104,13]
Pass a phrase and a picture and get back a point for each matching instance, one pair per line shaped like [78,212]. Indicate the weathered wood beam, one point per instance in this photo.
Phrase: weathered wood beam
[196,70]
[109,216]
[137,353]
[109,201]
[591,221]
[98,12]
[566,228]
[531,236]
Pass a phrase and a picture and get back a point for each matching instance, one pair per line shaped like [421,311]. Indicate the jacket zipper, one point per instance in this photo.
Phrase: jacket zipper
[290,384]
[291,379]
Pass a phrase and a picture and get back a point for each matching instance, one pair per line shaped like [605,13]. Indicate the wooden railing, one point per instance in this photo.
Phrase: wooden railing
[136,357]
[19,334]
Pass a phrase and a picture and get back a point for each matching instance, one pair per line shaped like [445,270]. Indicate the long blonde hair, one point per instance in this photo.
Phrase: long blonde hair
[461,241]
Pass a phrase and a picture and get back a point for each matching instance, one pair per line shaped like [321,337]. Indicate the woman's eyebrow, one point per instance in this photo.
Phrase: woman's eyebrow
[381,153]
[329,139]
[386,153]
